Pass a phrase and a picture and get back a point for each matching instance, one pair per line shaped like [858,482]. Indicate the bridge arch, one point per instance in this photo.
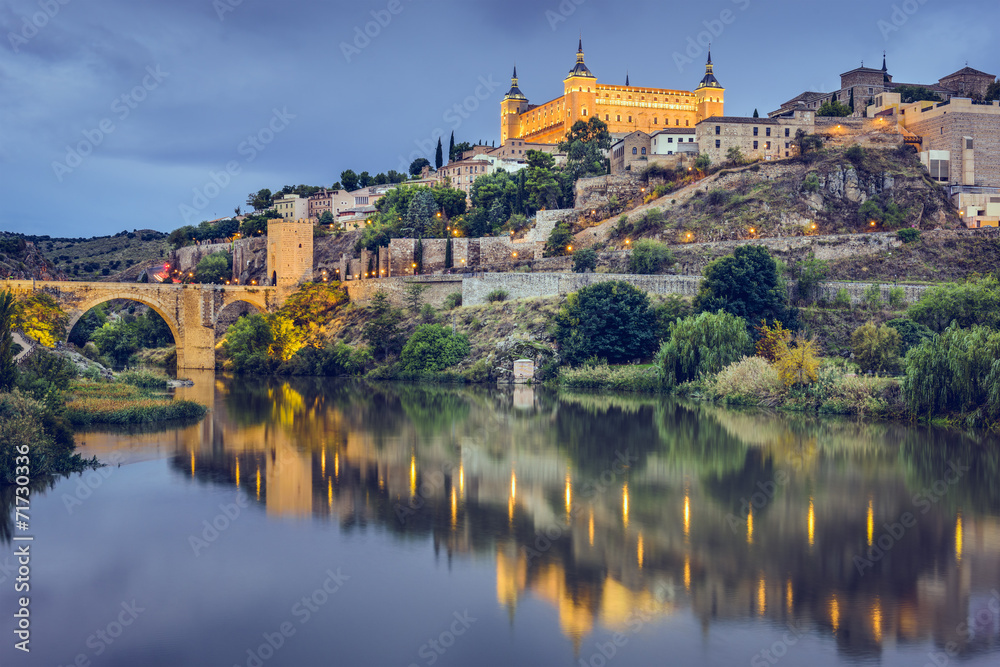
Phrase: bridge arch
[89,304]
[225,312]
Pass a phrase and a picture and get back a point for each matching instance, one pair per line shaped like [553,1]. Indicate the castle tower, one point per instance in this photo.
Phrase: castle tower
[289,252]
[514,103]
[709,94]
[580,90]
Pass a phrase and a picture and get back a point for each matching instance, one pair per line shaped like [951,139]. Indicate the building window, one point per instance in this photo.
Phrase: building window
[968,143]
[634,150]
[630,119]
[767,131]
[687,123]
[654,121]
[585,111]
[755,145]
[643,151]
[718,129]
[670,140]
[755,131]
[870,90]
[606,117]
[718,144]
[786,132]
[677,121]
[768,144]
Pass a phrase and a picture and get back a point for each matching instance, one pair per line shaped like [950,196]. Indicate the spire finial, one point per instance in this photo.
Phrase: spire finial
[515,70]
[626,77]
[580,48]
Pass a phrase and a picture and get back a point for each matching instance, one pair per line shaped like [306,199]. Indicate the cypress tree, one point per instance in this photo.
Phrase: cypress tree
[449,259]
[451,147]
[438,156]
[755,114]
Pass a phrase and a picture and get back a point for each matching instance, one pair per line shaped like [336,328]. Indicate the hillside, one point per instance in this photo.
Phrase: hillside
[101,257]
[823,192]
[22,260]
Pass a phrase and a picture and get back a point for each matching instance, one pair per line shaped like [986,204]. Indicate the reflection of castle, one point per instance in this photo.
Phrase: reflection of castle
[476,475]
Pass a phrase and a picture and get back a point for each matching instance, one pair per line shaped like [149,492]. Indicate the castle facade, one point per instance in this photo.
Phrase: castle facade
[625,109]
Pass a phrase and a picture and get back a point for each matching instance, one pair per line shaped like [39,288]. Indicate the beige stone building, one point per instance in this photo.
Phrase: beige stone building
[291,207]
[329,201]
[756,138]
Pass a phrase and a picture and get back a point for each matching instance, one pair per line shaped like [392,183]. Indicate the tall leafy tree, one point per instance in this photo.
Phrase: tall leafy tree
[747,285]
[541,186]
[349,180]
[418,165]
[439,155]
[260,200]
[584,146]
[610,320]
[451,147]
[420,213]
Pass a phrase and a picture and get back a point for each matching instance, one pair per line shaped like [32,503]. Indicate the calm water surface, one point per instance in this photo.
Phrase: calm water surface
[317,522]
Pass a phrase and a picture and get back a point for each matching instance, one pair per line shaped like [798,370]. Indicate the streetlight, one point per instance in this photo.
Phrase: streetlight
[569,248]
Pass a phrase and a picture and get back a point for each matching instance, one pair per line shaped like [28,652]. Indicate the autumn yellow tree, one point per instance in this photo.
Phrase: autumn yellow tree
[40,316]
[797,361]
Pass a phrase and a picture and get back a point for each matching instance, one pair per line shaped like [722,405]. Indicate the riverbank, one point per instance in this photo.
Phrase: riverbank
[135,397]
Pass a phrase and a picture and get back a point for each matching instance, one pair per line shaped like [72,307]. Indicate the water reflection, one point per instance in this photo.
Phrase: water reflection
[603,506]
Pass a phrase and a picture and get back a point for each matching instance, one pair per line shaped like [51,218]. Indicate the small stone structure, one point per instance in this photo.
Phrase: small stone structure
[524,371]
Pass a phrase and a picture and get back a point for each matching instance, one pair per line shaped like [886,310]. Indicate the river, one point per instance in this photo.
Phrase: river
[329,522]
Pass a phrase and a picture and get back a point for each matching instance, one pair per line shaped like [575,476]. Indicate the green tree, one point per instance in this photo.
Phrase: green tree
[992,92]
[413,297]
[559,242]
[807,142]
[260,200]
[248,341]
[439,155]
[326,218]
[703,162]
[876,348]
[541,186]
[756,114]
[969,303]
[747,285]
[451,147]
[420,213]
[449,201]
[499,186]
[584,260]
[182,236]
[649,257]
[382,329]
[418,165]
[349,180]
[735,155]
[117,339]
[834,108]
[214,269]
[585,146]
[8,371]
[702,344]
[955,372]
[910,94]
[433,347]
[668,311]
[810,273]
[449,255]
[610,320]
[911,334]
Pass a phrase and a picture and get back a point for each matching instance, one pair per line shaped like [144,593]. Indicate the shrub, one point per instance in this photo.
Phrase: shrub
[611,320]
[855,154]
[908,235]
[702,344]
[668,311]
[452,301]
[497,295]
[333,360]
[811,182]
[910,333]
[428,314]
[584,260]
[749,380]
[611,378]
[872,296]
[433,347]
[142,379]
[810,273]
[896,296]
[798,362]
[843,298]
[29,423]
[649,257]
[876,349]
[718,197]
[970,303]
[559,242]
[44,372]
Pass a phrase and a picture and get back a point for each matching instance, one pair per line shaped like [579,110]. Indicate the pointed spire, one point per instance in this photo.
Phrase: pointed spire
[709,53]
[709,81]
[626,77]
[580,48]
[514,93]
[580,69]
[884,68]
[515,71]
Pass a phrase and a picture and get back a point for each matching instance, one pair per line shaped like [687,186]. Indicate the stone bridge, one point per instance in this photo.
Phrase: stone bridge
[191,311]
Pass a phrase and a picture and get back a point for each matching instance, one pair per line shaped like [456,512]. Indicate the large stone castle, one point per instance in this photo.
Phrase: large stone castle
[625,109]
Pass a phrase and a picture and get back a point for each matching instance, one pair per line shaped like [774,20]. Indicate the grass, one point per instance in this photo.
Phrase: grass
[122,403]
[642,378]
[85,259]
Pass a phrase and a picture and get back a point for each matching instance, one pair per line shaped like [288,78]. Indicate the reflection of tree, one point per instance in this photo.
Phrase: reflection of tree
[595,442]
[432,409]
[8,504]
[929,453]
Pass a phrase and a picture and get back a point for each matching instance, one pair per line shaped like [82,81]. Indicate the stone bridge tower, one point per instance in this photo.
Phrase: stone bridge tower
[289,253]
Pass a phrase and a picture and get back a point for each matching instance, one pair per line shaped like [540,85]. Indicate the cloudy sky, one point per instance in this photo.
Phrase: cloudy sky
[119,114]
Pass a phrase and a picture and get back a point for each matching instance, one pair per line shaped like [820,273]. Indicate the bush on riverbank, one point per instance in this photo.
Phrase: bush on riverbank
[612,378]
[32,428]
